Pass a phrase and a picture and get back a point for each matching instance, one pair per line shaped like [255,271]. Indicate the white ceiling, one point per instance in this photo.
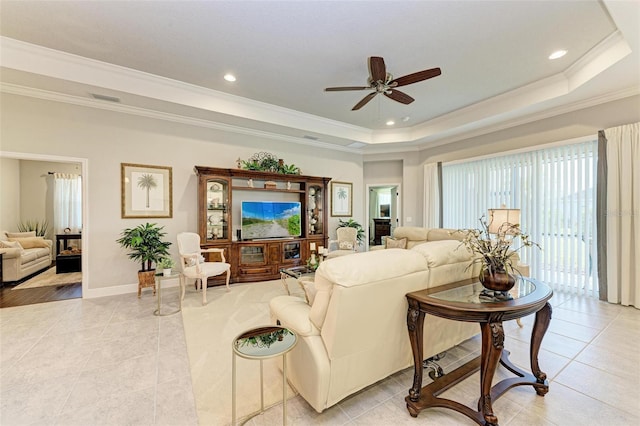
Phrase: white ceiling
[167,58]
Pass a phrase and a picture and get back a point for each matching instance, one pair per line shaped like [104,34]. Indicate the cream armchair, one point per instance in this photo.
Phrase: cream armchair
[347,242]
[193,264]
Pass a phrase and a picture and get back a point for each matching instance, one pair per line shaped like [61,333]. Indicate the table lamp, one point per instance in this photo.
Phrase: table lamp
[498,217]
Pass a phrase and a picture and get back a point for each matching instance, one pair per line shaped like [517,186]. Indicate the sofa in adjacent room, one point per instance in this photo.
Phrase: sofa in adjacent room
[23,254]
[355,331]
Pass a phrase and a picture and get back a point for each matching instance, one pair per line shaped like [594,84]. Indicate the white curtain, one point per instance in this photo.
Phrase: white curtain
[623,214]
[555,188]
[67,202]
[431,196]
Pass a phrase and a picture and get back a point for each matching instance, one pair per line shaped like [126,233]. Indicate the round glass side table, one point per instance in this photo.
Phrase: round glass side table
[263,343]
[159,278]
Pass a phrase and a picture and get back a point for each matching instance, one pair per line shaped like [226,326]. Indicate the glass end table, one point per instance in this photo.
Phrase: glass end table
[262,343]
[466,301]
[159,278]
[303,276]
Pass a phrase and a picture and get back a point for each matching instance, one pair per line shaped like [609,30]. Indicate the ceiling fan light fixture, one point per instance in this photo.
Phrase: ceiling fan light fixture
[557,54]
[230,77]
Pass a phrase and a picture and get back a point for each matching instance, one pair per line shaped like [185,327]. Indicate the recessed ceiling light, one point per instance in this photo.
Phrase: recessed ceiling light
[405,119]
[558,54]
[230,77]
[390,123]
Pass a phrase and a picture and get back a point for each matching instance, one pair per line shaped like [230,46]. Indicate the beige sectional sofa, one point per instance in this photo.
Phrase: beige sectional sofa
[354,333]
[23,254]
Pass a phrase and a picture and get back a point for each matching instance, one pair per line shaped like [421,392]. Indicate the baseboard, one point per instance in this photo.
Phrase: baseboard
[91,293]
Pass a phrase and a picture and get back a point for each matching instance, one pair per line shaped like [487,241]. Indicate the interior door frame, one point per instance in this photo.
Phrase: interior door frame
[84,170]
[368,188]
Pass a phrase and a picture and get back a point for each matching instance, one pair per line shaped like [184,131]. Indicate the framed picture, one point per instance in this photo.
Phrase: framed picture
[341,198]
[146,191]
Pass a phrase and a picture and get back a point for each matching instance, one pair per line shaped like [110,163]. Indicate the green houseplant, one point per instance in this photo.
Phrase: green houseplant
[166,264]
[34,225]
[145,244]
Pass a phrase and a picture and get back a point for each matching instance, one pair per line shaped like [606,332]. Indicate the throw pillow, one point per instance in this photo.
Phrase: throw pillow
[11,244]
[345,245]
[393,243]
[31,242]
[192,261]
[21,234]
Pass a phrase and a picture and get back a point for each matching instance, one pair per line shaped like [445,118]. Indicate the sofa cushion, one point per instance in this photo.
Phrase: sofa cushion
[439,234]
[20,234]
[444,252]
[372,266]
[400,243]
[411,233]
[11,244]
[31,242]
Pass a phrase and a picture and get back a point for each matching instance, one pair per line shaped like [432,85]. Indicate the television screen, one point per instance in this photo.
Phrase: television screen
[270,219]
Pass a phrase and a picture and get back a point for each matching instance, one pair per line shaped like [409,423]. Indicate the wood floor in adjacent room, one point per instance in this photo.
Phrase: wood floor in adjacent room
[29,296]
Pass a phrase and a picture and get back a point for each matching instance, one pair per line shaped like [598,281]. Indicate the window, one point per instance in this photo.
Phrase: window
[555,188]
[67,202]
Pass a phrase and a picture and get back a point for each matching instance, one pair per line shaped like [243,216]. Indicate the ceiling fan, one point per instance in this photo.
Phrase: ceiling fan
[380,81]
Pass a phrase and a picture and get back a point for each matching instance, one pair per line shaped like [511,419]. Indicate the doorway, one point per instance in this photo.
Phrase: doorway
[383,212]
[28,183]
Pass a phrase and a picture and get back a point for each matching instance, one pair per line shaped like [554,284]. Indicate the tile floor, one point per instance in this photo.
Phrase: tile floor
[109,361]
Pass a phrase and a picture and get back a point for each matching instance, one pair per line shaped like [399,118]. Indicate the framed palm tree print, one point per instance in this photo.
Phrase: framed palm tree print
[146,191]
[341,198]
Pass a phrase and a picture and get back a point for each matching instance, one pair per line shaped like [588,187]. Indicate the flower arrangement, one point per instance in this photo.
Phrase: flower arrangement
[267,162]
[495,254]
[264,338]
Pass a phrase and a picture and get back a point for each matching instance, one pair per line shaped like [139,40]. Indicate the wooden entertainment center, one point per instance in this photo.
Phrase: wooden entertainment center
[220,196]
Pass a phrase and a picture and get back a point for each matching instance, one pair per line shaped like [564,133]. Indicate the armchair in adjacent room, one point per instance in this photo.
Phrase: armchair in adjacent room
[347,242]
[194,266]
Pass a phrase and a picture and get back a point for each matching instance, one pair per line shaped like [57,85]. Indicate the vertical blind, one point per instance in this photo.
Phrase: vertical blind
[555,188]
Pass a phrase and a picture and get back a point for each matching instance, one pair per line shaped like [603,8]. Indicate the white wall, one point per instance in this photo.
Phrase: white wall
[9,194]
[107,139]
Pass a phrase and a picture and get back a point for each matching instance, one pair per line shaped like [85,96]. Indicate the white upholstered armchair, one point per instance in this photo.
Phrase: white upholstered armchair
[347,242]
[193,264]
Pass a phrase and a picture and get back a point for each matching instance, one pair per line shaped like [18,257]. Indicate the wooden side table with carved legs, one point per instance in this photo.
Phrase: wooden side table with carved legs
[461,302]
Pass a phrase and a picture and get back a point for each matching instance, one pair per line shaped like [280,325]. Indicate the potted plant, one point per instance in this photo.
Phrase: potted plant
[146,246]
[166,263]
[34,225]
[496,253]
[353,224]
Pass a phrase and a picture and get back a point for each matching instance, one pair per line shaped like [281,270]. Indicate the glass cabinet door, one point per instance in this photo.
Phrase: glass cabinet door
[253,254]
[217,226]
[314,209]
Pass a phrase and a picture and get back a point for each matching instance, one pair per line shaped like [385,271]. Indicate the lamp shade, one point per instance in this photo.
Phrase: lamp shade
[498,217]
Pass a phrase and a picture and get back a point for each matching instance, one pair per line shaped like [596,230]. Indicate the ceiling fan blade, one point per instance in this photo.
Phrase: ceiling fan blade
[399,96]
[416,77]
[377,69]
[364,101]
[339,89]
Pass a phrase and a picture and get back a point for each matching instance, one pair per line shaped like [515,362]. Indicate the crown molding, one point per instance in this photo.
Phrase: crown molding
[492,114]
[158,115]
[530,118]
[53,63]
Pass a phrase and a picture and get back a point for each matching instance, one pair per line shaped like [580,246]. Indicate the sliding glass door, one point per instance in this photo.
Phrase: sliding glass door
[555,188]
